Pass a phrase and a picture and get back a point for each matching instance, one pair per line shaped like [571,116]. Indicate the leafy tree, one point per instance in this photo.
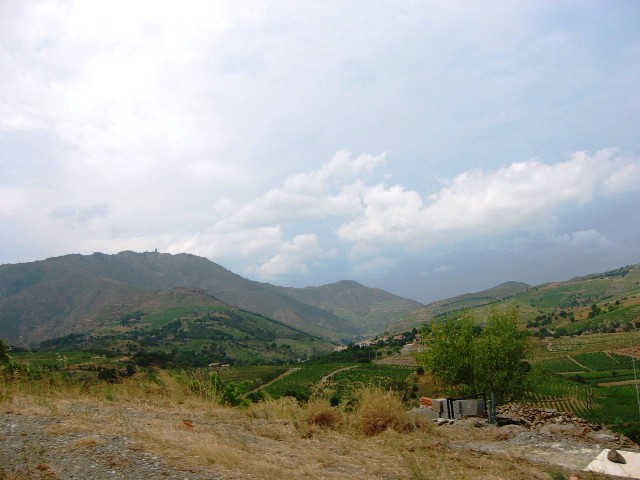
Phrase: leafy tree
[449,356]
[469,359]
[499,364]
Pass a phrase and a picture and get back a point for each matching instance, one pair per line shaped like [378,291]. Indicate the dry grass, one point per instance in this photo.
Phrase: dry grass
[275,439]
[319,414]
[378,411]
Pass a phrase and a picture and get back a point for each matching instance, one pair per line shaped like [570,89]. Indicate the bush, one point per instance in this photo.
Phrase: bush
[378,410]
[319,413]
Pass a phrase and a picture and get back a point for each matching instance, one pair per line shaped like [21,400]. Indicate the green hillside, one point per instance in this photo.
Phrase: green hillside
[604,302]
[189,327]
[502,292]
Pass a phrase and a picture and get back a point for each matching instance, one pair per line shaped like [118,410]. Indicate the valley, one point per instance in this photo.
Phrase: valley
[136,342]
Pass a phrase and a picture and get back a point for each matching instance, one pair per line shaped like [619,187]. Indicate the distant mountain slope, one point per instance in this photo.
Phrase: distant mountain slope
[371,308]
[468,300]
[582,292]
[188,327]
[573,306]
[53,297]
[42,300]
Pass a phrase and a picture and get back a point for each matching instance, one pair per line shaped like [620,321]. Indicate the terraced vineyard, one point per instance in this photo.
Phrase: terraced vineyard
[562,364]
[580,383]
[566,396]
[338,381]
[601,361]
[257,374]
[301,382]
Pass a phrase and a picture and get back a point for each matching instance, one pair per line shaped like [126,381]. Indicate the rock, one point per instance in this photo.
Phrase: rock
[565,429]
[602,437]
[614,456]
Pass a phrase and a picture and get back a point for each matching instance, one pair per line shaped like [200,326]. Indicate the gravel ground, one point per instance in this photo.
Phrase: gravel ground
[38,447]
[81,441]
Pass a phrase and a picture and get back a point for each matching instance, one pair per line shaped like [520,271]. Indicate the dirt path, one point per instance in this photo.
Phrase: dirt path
[578,363]
[622,382]
[279,377]
[327,377]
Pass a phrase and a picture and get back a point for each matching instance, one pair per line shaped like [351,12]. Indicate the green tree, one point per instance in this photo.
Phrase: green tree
[499,364]
[468,359]
[448,356]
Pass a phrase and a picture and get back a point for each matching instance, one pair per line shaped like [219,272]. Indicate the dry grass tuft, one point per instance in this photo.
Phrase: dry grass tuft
[285,408]
[320,413]
[378,411]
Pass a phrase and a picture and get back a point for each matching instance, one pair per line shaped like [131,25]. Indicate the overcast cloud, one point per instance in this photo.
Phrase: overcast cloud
[429,148]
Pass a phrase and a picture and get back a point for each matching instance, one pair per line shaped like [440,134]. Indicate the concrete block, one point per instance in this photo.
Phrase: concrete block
[439,404]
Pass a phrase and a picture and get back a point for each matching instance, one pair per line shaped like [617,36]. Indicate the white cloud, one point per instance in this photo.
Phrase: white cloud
[121,89]
[236,244]
[333,189]
[480,202]
[387,214]
[373,217]
[294,257]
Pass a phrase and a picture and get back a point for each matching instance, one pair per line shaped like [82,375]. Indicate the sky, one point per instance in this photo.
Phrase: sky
[429,148]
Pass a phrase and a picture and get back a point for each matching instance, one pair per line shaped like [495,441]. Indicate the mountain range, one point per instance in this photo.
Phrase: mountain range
[73,293]
[191,301]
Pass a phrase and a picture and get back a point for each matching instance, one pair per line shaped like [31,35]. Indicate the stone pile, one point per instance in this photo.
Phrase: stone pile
[528,416]
[551,422]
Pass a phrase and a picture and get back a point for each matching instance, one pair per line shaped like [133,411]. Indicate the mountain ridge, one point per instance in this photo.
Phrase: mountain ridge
[56,296]
[576,295]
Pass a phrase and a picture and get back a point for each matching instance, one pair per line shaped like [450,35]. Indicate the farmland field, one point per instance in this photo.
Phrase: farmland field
[301,382]
[551,348]
[600,361]
[338,380]
[579,390]
[258,374]
[562,364]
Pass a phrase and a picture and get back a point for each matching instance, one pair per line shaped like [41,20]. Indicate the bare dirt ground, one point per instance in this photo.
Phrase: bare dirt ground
[100,439]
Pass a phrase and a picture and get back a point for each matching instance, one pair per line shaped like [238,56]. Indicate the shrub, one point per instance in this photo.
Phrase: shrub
[320,413]
[378,410]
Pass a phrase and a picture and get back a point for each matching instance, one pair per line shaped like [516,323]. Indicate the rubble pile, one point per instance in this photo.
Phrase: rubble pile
[548,421]
[528,416]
